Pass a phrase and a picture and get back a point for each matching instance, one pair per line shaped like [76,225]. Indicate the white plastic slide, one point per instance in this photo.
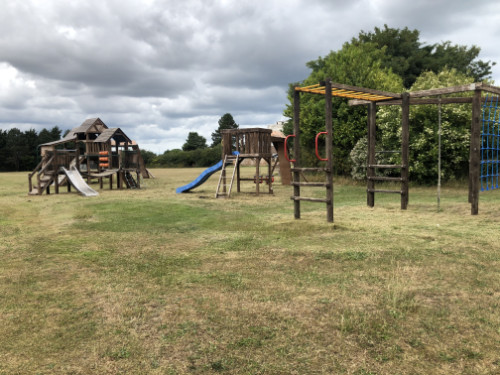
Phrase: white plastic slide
[78,182]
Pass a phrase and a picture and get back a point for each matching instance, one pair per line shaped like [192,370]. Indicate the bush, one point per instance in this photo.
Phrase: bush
[184,159]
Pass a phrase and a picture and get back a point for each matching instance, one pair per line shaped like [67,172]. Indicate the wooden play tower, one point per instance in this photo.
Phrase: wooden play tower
[96,152]
[241,144]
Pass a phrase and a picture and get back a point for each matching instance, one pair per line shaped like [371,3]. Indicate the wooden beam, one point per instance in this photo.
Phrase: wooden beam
[346,91]
[489,88]
[416,101]
[329,150]
[296,152]
[475,154]
[444,90]
[405,150]
[365,90]
[370,172]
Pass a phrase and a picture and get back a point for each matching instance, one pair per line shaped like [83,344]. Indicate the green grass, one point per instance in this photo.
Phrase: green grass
[151,282]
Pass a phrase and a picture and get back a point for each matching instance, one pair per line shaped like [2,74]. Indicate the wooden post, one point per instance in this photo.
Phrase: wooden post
[475,153]
[238,176]
[329,150]
[56,181]
[223,177]
[296,153]
[87,151]
[269,175]
[257,173]
[57,165]
[284,164]
[405,149]
[78,159]
[370,171]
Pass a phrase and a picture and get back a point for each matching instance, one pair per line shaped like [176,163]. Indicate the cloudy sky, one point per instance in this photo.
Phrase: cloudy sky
[159,69]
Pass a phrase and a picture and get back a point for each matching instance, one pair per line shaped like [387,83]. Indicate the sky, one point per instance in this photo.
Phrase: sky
[159,69]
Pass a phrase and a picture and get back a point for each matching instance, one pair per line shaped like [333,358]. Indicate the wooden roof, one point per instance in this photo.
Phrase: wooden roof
[116,133]
[91,125]
[245,130]
[69,138]
[350,92]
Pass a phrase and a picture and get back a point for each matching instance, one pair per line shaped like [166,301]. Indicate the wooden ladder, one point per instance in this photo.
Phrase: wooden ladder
[129,180]
[372,178]
[328,184]
[225,193]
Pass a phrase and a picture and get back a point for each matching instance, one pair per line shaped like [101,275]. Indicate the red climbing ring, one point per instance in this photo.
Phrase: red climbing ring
[286,148]
[316,144]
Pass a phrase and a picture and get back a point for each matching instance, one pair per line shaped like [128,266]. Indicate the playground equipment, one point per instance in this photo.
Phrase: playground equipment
[238,145]
[484,147]
[490,144]
[92,150]
[253,143]
[75,178]
[204,176]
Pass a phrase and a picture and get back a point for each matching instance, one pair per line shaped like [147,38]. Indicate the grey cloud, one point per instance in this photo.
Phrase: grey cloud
[169,67]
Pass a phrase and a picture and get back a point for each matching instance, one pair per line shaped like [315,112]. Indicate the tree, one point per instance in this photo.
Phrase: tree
[387,59]
[194,158]
[356,65]
[409,58]
[194,141]
[19,151]
[225,122]
[148,157]
[455,125]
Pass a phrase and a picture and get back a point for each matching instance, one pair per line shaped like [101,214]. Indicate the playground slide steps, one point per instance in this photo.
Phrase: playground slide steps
[129,180]
[223,191]
[45,181]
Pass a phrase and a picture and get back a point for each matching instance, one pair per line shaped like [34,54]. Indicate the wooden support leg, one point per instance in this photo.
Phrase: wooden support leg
[405,154]
[296,143]
[370,171]
[56,183]
[329,150]
[269,175]
[475,154]
[257,172]
[238,176]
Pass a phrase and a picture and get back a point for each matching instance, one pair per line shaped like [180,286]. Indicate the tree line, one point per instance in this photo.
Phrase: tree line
[195,152]
[19,150]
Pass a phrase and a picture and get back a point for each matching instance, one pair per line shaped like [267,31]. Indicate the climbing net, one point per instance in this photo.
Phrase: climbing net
[490,144]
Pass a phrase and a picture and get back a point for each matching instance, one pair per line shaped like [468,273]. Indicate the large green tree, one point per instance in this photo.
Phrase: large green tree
[18,149]
[408,57]
[194,141]
[386,59]
[225,122]
[356,65]
[424,123]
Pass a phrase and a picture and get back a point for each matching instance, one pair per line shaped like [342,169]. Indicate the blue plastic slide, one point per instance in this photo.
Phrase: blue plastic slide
[205,175]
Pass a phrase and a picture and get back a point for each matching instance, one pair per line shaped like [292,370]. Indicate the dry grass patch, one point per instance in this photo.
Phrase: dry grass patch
[152,282]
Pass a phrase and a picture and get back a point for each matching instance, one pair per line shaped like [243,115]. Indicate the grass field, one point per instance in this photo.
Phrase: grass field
[150,282]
